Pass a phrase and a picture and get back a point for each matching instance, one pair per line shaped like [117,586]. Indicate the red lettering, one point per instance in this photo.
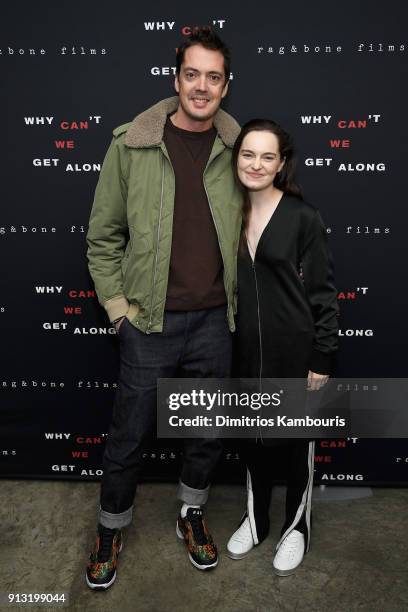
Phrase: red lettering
[64,144]
[69,310]
[333,443]
[74,125]
[351,295]
[82,440]
[340,144]
[81,294]
[323,458]
[79,454]
[361,123]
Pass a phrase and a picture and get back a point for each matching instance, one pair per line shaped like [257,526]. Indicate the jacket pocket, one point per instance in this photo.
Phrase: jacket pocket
[125,258]
[136,266]
[137,246]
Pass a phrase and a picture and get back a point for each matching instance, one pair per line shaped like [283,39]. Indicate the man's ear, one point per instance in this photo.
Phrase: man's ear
[225,90]
[176,83]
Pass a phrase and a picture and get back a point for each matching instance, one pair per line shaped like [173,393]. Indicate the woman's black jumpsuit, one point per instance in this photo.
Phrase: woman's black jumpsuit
[287,324]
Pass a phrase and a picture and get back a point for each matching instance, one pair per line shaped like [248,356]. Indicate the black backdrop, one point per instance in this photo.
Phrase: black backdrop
[334,75]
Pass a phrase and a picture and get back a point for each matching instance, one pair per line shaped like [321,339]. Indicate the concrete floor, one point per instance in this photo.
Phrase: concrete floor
[358,558]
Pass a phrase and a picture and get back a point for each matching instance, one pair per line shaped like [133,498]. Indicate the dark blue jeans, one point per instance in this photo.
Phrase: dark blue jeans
[192,344]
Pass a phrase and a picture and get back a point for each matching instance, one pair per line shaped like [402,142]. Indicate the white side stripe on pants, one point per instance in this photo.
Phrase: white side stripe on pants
[306,500]
[251,514]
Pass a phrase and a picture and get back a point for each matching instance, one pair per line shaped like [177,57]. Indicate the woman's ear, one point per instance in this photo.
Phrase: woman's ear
[282,164]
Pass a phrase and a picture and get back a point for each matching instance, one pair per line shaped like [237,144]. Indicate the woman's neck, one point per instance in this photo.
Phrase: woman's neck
[265,198]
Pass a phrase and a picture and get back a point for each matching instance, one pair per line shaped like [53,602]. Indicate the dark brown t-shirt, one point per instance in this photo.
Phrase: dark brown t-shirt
[196,269]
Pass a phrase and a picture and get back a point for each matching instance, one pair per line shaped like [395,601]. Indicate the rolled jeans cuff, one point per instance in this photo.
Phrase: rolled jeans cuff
[194,497]
[115,521]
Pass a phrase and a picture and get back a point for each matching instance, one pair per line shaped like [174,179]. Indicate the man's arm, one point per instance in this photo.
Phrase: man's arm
[108,230]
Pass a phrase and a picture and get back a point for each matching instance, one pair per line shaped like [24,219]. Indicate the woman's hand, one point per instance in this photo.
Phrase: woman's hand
[315,381]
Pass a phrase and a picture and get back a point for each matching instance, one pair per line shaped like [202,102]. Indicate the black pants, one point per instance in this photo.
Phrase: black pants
[192,344]
[298,455]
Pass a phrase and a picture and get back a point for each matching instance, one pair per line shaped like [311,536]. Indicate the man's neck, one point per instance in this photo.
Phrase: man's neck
[184,122]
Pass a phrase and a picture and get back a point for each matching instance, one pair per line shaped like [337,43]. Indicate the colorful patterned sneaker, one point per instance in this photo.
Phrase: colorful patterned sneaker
[193,530]
[101,568]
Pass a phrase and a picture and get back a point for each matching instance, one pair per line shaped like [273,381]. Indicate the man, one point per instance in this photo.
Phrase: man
[162,243]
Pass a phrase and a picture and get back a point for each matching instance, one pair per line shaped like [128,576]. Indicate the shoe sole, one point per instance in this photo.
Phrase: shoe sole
[100,587]
[105,585]
[200,567]
[237,556]
[280,572]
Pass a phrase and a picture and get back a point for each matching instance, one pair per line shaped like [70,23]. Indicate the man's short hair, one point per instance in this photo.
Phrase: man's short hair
[206,37]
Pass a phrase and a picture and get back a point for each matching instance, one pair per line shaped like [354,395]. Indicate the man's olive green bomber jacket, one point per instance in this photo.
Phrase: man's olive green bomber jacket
[130,227]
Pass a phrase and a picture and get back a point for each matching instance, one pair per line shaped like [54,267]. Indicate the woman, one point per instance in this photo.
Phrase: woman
[286,325]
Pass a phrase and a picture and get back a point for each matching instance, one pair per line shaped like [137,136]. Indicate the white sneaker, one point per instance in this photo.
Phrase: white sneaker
[290,554]
[241,542]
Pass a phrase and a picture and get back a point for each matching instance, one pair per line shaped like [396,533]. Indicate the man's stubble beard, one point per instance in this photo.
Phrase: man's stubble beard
[202,118]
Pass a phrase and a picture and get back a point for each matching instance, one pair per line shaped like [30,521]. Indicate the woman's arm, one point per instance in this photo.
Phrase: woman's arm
[317,267]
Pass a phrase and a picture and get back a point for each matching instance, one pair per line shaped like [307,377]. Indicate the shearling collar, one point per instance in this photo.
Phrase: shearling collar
[146,129]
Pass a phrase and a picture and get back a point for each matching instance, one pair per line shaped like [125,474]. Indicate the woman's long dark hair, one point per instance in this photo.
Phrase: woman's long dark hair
[284,180]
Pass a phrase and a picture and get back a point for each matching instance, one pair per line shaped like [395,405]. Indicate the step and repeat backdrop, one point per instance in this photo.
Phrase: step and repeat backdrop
[335,76]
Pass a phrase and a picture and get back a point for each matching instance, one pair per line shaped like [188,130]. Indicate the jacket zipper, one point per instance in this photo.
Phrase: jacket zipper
[157,254]
[218,235]
[259,323]
[259,333]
